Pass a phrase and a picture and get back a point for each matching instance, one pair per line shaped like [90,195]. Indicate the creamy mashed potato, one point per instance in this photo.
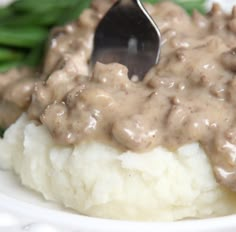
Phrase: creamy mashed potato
[98,180]
[89,151]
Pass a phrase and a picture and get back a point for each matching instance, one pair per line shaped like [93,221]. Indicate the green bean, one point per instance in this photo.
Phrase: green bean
[5,12]
[22,37]
[7,54]
[5,66]
[33,58]
[188,5]
[74,12]
[48,16]
[42,5]
[45,19]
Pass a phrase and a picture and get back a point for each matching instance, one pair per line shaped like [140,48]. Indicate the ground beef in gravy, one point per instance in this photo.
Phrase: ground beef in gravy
[16,87]
[189,96]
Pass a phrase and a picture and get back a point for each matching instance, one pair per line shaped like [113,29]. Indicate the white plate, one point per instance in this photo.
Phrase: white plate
[22,210]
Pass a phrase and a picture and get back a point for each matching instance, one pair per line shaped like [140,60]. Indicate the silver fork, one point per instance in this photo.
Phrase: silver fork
[127,35]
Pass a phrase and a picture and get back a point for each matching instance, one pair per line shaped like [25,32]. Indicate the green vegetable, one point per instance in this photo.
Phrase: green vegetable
[4,66]
[24,26]
[7,54]
[76,10]
[5,12]
[42,5]
[43,19]
[188,5]
[34,56]
[23,37]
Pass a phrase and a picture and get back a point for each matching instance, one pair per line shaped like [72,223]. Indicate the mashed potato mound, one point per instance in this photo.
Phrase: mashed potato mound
[98,180]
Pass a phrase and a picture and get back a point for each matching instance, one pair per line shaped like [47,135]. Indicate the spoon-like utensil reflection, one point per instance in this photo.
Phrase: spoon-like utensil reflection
[129,36]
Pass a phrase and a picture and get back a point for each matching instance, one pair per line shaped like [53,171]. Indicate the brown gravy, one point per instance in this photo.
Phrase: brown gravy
[189,96]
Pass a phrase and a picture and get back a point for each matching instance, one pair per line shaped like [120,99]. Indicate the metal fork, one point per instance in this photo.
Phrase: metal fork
[128,35]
